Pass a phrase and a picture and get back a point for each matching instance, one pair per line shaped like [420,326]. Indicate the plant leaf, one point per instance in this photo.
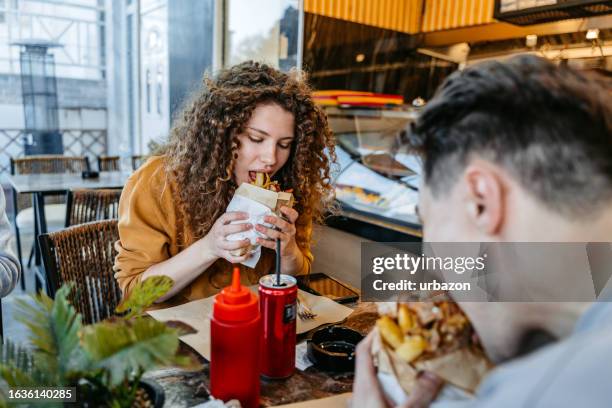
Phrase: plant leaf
[144,294]
[124,346]
[17,369]
[54,334]
[16,366]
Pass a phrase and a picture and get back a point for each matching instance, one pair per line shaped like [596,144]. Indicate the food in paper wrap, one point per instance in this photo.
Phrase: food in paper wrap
[258,199]
[433,336]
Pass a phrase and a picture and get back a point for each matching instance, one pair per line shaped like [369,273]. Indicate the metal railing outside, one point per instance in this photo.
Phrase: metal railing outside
[77,142]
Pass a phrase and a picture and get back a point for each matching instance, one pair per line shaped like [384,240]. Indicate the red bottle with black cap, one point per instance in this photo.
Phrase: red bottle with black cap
[235,332]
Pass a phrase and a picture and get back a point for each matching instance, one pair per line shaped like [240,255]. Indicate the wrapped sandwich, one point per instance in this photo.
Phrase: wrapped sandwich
[259,198]
[429,336]
[283,198]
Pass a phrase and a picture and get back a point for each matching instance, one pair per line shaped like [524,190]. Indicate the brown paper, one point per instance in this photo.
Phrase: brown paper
[284,199]
[388,362]
[197,315]
[463,368]
[269,198]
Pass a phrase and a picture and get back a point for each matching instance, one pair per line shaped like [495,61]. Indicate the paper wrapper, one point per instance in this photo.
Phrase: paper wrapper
[269,198]
[257,202]
[463,368]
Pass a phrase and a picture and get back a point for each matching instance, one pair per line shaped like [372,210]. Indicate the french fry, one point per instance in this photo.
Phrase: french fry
[267,181]
[259,179]
[264,181]
[405,319]
[390,331]
[411,348]
[437,337]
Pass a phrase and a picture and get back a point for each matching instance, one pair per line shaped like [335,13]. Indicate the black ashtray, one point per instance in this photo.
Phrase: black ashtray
[332,348]
[90,174]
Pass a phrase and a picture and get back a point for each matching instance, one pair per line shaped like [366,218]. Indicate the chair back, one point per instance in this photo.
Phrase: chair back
[111,163]
[92,205]
[108,163]
[84,255]
[49,163]
[138,161]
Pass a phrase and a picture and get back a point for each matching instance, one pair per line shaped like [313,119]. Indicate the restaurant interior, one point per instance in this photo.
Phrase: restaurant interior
[90,89]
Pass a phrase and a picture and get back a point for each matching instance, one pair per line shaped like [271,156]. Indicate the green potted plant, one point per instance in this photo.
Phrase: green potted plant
[105,361]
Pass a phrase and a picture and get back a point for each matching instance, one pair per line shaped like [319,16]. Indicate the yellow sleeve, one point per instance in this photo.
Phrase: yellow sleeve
[146,230]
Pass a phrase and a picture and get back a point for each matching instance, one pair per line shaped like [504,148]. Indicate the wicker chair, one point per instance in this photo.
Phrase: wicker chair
[91,205]
[108,163]
[84,255]
[55,209]
[111,163]
[138,161]
[49,163]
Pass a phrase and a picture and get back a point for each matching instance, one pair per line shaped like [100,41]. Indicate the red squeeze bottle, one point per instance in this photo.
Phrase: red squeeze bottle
[235,332]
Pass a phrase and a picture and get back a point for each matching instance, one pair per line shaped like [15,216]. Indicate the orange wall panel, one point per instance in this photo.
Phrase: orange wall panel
[407,15]
[397,15]
[447,14]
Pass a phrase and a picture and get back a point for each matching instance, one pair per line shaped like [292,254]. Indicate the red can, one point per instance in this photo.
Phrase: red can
[277,306]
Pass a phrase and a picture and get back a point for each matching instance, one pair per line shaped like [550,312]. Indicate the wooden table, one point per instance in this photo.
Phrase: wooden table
[57,183]
[185,389]
[41,185]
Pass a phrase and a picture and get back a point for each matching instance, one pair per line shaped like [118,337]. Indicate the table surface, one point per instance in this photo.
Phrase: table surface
[34,183]
[186,389]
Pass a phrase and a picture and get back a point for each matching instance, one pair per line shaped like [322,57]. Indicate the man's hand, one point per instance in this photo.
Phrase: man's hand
[367,391]
[427,387]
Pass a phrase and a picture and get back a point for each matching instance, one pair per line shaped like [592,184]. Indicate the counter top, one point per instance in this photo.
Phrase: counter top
[404,228]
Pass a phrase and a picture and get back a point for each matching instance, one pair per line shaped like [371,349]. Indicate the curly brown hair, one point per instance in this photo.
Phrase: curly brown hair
[201,150]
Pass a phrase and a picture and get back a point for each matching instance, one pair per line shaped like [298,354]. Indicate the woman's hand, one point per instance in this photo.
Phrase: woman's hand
[216,243]
[188,264]
[283,229]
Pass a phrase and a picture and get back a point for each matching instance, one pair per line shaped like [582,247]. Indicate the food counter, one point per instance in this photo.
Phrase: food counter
[377,178]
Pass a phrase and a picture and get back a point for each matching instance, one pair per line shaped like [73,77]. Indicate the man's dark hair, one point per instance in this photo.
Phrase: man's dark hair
[549,126]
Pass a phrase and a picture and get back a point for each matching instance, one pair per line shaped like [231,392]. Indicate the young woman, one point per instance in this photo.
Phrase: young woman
[172,216]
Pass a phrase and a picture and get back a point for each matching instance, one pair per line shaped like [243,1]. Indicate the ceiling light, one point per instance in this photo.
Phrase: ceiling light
[592,34]
[360,57]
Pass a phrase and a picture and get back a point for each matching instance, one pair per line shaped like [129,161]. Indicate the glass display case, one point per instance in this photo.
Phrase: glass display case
[378,176]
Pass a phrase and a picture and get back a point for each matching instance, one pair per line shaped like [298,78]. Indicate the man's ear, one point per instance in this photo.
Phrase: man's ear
[485,197]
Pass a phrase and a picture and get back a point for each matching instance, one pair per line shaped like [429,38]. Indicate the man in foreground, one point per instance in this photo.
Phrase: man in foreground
[9,265]
[519,151]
